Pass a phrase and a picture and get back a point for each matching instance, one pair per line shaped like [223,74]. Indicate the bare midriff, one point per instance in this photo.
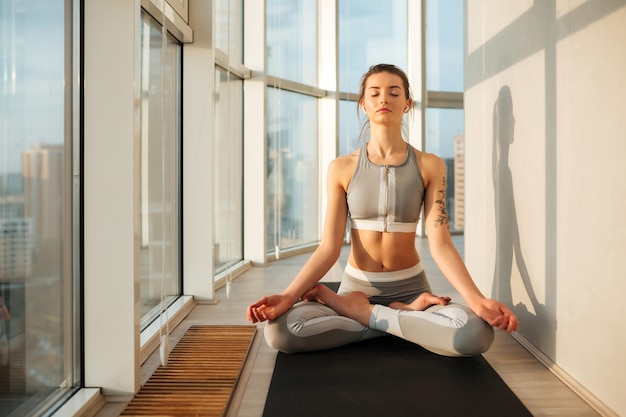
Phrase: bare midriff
[382,251]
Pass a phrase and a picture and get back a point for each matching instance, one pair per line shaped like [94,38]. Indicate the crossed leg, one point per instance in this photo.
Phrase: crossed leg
[356,305]
[429,321]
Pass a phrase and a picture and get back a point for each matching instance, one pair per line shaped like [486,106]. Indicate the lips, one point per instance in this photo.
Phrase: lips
[383,110]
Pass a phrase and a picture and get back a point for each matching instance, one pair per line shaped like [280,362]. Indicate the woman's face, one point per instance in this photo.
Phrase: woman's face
[385,99]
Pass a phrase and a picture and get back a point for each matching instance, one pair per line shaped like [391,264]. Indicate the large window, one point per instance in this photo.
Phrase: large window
[292,169]
[444,45]
[445,138]
[444,115]
[292,40]
[370,32]
[38,334]
[227,142]
[229,28]
[293,193]
[227,171]
[349,126]
[160,169]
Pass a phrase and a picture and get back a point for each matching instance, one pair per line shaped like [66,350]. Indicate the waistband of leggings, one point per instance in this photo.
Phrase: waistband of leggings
[386,276]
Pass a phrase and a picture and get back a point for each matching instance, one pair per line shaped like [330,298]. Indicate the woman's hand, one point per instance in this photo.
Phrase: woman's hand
[496,314]
[269,308]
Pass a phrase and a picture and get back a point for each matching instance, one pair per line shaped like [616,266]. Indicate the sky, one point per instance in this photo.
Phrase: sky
[31,77]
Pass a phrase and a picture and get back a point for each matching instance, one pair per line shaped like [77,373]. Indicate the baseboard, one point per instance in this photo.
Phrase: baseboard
[567,379]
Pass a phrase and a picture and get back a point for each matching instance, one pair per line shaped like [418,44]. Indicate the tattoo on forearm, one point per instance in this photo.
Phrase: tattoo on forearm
[442,218]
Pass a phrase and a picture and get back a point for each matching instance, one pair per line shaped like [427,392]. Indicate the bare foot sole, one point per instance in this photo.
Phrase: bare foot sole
[354,304]
[422,302]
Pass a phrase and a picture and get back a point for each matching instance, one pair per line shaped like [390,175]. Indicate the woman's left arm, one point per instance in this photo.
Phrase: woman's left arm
[445,253]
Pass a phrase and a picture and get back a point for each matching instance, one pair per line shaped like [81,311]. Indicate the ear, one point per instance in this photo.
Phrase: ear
[409,104]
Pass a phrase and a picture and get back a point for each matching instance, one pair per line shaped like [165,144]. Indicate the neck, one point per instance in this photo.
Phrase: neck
[386,150]
[385,141]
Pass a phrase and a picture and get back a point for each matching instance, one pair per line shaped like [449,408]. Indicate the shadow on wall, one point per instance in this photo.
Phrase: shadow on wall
[538,323]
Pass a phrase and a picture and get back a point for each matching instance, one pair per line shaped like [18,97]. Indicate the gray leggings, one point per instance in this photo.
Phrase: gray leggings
[451,330]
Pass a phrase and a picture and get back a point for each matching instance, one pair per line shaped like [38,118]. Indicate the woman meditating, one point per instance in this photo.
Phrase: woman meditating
[381,189]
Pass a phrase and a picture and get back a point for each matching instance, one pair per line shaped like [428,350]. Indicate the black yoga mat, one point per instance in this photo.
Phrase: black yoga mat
[387,376]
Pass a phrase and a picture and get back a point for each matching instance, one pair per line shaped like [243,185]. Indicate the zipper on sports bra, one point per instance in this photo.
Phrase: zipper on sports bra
[386,225]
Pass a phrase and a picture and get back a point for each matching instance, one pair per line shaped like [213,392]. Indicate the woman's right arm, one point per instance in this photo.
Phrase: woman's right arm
[322,259]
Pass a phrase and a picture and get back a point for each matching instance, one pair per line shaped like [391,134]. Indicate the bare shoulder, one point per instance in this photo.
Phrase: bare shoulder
[431,166]
[342,168]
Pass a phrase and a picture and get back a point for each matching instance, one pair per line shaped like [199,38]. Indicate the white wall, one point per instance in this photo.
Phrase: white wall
[111,224]
[545,227]
[198,65]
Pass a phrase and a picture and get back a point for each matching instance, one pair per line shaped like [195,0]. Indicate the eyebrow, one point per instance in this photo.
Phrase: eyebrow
[377,87]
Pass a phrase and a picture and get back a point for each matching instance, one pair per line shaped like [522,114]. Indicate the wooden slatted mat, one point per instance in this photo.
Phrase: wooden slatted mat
[200,376]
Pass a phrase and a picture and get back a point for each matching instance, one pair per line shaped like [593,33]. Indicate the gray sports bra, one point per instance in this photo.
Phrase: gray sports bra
[385,198]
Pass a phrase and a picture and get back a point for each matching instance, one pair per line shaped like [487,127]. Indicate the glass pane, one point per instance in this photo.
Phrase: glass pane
[349,127]
[228,171]
[36,357]
[292,40]
[292,169]
[370,32]
[160,169]
[229,28]
[445,137]
[444,45]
